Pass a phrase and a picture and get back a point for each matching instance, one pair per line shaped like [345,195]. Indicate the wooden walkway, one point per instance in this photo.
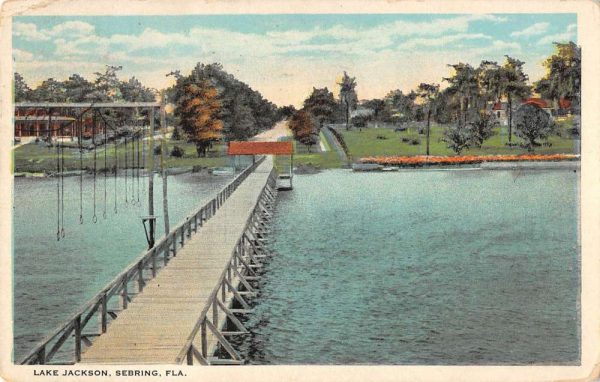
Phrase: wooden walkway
[157,323]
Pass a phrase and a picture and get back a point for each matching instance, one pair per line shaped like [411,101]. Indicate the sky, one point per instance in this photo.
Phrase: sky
[285,56]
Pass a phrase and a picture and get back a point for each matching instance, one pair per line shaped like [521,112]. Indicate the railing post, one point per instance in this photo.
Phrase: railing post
[190,356]
[41,355]
[223,289]
[215,312]
[77,325]
[154,254]
[140,267]
[103,314]
[203,338]
[124,294]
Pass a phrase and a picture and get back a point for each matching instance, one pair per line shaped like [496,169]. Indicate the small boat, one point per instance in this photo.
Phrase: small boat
[222,171]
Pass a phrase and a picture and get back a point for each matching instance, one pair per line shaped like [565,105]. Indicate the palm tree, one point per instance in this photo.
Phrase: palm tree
[514,86]
[428,93]
[348,96]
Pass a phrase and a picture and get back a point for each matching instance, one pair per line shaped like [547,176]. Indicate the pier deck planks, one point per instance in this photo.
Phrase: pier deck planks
[157,323]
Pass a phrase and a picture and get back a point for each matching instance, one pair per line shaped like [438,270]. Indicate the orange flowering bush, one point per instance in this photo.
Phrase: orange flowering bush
[421,160]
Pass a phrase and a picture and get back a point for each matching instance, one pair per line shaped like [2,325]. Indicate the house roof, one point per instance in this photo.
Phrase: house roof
[253,148]
[564,103]
[537,102]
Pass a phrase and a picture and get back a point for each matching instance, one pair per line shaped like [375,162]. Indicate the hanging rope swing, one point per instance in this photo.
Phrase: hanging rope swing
[57,177]
[80,139]
[105,169]
[126,169]
[116,166]
[94,217]
[133,168]
[62,184]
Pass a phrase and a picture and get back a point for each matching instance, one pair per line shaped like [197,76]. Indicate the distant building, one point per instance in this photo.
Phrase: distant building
[499,109]
[35,122]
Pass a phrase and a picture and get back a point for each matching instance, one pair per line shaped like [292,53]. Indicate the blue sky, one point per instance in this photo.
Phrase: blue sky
[284,56]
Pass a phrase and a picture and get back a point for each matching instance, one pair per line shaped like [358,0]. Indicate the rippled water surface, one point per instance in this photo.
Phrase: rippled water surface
[52,279]
[422,267]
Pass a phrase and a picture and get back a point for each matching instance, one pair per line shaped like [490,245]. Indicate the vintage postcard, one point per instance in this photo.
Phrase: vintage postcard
[300,190]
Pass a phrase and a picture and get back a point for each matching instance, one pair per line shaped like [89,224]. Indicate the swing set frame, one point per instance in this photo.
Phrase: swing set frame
[152,107]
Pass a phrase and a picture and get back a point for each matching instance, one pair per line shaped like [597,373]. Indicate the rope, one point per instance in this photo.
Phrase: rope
[57,182]
[132,168]
[94,217]
[80,170]
[138,170]
[116,167]
[126,188]
[105,170]
[62,187]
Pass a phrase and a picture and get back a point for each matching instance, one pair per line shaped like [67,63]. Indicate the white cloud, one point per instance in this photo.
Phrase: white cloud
[532,30]
[22,55]
[566,36]
[29,32]
[72,28]
[68,29]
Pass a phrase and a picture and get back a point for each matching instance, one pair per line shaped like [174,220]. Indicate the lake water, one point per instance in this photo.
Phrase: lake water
[52,279]
[422,267]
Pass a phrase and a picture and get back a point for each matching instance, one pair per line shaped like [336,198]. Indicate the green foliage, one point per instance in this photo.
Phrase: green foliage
[348,97]
[22,90]
[244,112]
[533,123]
[321,105]
[361,120]
[377,105]
[304,128]
[480,129]
[563,76]
[458,138]
[177,152]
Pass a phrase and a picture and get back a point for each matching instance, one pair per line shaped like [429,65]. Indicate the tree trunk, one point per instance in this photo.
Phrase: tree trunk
[428,128]
[347,115]
[509,111]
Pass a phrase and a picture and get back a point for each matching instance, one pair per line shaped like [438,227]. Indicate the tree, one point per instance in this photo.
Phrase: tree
[107,85]
[514,86]
[134,91]
[78,89]
[563,75]
[480,129]
[377,105]
[428,93]
[304,128]
[22,90]
[458,138]
[348,96]
[197,110]
[50,90]
[321,105]
[399,107]
[287,111]
[464,84]
[532,123]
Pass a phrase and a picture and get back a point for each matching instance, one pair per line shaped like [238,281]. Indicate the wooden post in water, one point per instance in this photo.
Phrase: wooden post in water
[151,180]
[163,147]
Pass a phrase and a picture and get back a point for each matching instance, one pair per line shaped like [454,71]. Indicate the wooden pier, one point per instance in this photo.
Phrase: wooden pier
[186,312]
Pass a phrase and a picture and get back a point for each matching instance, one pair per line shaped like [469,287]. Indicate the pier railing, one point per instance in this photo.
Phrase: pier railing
[92,319]
[240,269]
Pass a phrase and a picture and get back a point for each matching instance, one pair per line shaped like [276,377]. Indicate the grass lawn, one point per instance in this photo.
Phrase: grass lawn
[39,158]
[321,160]
[366,143]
